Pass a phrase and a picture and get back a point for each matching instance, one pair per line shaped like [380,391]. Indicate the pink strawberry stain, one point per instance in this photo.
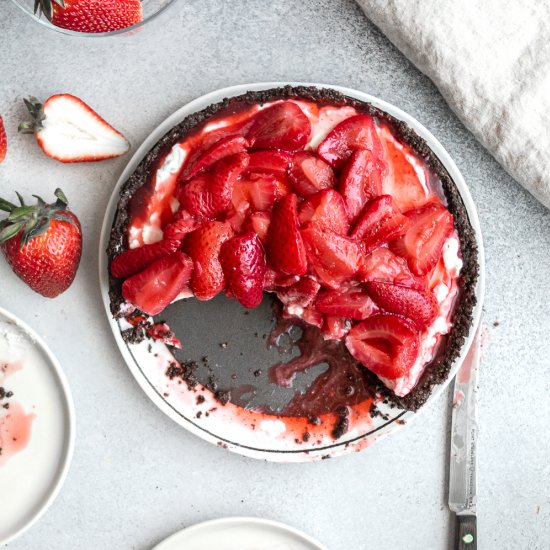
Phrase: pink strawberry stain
[15,423]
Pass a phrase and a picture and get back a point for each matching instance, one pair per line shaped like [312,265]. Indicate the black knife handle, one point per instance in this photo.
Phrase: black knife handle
[466,533]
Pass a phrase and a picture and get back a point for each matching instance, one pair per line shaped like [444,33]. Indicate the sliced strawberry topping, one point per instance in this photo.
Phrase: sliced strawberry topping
[300,294]
[134,260]
[352,134]
[243,261]
[209,194]
[312,316]
[274,281]
[262,190]
[334,258]
[281,126]
[272,162]
[354,304]
[405,182]
[203,245]
[380,222]
[309,174]
[421,245]
[360,181]
[335,328]
[383,265]
[285,248]
[259,223]
[327,210]
[159,284]
[226,147]
[418,306]
[385,344]
[182,224]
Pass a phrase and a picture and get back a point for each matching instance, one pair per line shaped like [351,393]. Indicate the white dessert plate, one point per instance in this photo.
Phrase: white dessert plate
[239,534]
[244,430]
[36,431]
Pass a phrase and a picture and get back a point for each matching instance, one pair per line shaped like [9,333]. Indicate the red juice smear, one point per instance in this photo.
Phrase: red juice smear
[15,431]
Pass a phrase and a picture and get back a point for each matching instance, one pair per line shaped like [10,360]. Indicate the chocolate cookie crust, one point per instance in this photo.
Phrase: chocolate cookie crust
[438,370]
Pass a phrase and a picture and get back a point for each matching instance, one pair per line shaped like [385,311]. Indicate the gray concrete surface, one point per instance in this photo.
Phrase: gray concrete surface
[137,476]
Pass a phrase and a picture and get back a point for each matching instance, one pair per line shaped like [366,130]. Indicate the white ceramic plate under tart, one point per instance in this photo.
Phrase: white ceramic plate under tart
[243,429]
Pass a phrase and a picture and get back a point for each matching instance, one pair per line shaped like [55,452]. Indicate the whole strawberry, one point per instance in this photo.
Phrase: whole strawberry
[91,16]
[42,243]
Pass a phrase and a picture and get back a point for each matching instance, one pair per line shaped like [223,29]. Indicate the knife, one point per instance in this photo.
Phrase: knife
[462,469]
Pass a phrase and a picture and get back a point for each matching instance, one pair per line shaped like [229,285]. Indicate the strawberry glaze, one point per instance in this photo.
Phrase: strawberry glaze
[153,206]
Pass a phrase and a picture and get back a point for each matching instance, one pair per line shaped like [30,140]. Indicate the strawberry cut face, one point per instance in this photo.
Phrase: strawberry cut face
[159,284]
[280,126]
[353,304]
[352,134]
[310,174]
[385,344]
[325,209]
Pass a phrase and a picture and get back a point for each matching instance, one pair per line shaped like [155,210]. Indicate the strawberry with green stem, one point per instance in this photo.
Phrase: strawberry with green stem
[42,243]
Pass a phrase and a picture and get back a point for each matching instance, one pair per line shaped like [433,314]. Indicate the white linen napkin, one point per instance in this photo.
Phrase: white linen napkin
[491,61]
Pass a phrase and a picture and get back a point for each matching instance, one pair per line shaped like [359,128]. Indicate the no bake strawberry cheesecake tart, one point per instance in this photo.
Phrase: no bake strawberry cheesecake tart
[336,210]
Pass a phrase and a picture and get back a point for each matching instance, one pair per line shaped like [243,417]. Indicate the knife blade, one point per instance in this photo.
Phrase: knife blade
[463,461]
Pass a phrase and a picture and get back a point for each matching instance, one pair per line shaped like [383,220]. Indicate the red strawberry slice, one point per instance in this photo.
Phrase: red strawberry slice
[352,134]
[354,304]
[159,284]
[335,328]
[385,344]
[181,226]
[418,306]
[262,190]
[280,126]
[334,258]
[272,162]
[383,265]
[421,245]
[203,246]
[69,130]
[275,281]
[134,260]
[300,294]
[309,174]
[285,248]
[380,222]
[225,147]
[311,316]
[327,210]
[259,223]
[3,141]
[209,194]
[243,262]
[360,181]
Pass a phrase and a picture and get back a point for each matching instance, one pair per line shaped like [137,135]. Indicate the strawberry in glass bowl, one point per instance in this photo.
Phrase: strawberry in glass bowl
[94,17]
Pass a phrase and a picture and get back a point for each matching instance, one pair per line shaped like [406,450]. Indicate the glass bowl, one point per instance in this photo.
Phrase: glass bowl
[151,10]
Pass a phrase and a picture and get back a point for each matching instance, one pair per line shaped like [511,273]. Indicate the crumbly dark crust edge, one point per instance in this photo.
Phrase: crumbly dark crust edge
[437,372]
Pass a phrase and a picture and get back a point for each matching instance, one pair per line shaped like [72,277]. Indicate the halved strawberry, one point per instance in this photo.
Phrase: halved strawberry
[280,126]
[325,209]
[360,181]
[68,130]
[334,258]
[353,304]
[379,223]
[159,284]
[225,147]
[272,162]
[383,265]
[3,141]
[300,294]
[335,328]
[134,260]
[428,230]
[285,248]
[385,344]
[203,246]
[352,134]
[418,306]
[209,194]
[262,190]
[309,174]
[243,262]
[259,223]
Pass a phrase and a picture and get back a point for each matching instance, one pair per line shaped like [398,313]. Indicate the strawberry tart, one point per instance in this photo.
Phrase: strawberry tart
[337,210]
